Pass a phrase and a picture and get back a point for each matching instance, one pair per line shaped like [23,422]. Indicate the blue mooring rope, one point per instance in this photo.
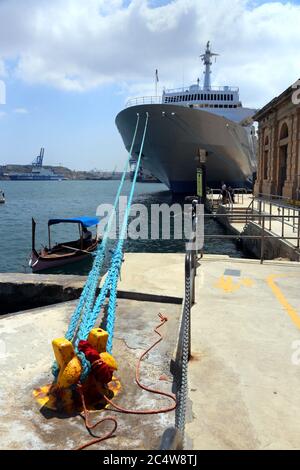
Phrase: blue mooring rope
[87,310]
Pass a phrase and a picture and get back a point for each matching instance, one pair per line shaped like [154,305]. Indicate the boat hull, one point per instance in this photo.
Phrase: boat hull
[29,177]
[174,136]
[40,264]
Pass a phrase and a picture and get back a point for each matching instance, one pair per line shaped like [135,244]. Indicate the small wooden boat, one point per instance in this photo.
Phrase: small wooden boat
[2,197]
[67,252]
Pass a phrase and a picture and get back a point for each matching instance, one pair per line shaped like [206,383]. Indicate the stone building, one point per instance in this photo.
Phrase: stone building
[278,165]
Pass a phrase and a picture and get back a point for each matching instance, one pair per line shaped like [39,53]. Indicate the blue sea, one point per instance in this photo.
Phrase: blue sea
[59,199]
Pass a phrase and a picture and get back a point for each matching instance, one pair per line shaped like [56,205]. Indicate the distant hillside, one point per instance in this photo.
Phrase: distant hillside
[66,173]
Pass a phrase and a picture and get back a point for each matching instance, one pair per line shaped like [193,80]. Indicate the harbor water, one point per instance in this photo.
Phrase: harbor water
[60,199]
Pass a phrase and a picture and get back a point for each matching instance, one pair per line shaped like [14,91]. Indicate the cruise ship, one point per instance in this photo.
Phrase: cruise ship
[38,172]
[188,122]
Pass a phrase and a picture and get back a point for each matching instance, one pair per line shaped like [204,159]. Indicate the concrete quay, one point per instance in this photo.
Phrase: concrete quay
[243,375]
[26,357]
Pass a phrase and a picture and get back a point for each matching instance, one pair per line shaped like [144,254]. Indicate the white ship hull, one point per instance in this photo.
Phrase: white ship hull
[174,136]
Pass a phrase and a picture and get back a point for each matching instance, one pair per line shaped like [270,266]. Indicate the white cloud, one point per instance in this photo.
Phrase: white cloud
[2,68]
[76,45]
[21,111]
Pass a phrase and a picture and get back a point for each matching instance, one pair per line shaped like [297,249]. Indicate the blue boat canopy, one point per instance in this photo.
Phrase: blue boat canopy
[84,221]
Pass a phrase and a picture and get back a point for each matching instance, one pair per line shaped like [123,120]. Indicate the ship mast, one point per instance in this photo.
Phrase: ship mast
[206,58]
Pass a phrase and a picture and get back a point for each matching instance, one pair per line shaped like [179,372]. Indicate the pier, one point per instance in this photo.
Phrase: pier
[243,373]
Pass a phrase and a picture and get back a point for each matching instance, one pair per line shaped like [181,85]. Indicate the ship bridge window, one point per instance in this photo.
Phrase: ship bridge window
[231,97]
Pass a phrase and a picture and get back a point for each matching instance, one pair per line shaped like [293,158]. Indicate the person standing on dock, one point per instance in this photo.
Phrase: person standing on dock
[224,192]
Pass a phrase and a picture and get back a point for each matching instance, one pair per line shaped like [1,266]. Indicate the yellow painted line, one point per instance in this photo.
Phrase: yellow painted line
[282,299]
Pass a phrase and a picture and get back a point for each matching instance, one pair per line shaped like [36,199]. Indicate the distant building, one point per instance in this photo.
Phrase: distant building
[278,165]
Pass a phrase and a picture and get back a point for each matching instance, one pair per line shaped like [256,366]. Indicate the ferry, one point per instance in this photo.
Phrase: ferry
[38,172]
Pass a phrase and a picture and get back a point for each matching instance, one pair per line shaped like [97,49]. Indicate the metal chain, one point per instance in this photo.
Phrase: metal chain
[183,391]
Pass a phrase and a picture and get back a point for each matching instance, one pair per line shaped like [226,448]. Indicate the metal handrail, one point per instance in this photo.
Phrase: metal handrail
[261,209]
[240,192]
[262,218]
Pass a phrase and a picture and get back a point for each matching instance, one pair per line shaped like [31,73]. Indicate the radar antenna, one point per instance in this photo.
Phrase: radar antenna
[206,59]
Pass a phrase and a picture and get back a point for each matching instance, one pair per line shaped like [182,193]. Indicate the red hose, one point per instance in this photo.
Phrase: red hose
[163,320]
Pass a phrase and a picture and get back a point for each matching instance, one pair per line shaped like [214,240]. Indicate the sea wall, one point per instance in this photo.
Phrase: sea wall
[25,291]
[274,248]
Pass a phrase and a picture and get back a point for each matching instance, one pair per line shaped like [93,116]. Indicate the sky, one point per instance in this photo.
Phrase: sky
[69,66]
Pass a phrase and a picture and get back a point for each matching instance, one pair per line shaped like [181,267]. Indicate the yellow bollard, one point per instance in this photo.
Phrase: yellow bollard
[69,364]
[98,339]
[59,396]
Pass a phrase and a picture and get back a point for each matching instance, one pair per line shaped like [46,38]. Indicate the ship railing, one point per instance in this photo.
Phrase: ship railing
[144,100]
[201,88]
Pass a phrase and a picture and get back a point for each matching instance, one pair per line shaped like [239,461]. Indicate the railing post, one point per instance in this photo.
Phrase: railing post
[270,221]
[298,241]
[282,228]
[259,212]
[262,242]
